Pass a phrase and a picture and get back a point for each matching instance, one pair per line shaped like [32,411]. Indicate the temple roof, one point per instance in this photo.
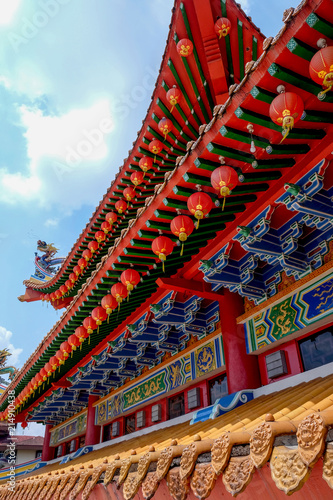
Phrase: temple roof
[264,174]
[290,425]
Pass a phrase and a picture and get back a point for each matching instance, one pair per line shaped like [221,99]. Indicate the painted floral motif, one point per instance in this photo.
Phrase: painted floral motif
[110,471]
[125,467]
[131,486]
[94,480]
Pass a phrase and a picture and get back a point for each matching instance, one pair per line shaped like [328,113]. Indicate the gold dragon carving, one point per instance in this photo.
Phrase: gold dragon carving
[188,459]
[220,452]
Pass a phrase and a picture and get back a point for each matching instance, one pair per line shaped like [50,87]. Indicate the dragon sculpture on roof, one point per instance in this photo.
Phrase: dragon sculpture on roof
[11,370]
[47,265]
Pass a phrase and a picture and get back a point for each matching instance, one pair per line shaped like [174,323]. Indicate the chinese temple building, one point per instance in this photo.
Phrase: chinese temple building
[194,356]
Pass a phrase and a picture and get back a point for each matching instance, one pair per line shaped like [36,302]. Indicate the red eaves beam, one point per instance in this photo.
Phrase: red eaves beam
[199,288]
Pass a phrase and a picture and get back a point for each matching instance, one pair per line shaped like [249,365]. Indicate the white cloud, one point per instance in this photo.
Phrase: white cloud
[5,342]
[7,10]
[51,222]
[246,4]
[33,429]
[64,154]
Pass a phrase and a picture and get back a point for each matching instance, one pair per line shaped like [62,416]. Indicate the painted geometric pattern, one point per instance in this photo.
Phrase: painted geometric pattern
[197,363]
[69,429]
[304,308]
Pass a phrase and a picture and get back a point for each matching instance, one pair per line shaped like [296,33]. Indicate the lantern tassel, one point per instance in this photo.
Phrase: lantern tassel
[89,340]
[198,223]
[172,108]
[108,319]
[59,369]
[71,354]
[80,347]
[182,250]
[321,94]
[223,204]
[163,266]
[98,329]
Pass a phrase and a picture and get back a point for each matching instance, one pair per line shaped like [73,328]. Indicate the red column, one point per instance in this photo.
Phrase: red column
[242,368]
[47,453]
[93,431]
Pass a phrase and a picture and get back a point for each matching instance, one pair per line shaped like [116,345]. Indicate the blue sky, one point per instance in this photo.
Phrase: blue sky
[72,73]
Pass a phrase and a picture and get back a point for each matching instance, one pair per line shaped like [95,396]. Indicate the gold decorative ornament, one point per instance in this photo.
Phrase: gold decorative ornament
[261,444]
[150,485]
[220,453]
[238,474]
[188,459]
[203,480]
[311,434]
[178,487]
[288,470]
[328,467]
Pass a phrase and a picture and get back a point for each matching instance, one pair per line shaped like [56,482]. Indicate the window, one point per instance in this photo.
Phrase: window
[317,350]
[39,454]
[129,424]
[82,440]
[107,432]
[218,388]
[59,451]
[72,446]
[176,406]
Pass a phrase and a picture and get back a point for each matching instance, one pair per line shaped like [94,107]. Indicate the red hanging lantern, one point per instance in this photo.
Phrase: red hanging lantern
[162,246]
[81,333]
[321,70]
[222,27]
[199,204]
[109,303]
[155,147]
[121,206]
[129,193]
[82,263]
[48,369]
[185,47]
[182,226]
[34,383]
[224,179]
[90,324]
[285,110]
[73,278]
[77,270]
[105,226]
[24,424]
[54,362]
[111,218]
[99,315]
[68,284]
[86,254]
[57,294]
[47,297]
[130,278]
[99,236]
[63,289]
[93,246]
[119,291]
[65,348]
[73,342]
[52,297]
[174,96]
[60,357]
[165,126]
[137,178]
[43,374]
[145,163]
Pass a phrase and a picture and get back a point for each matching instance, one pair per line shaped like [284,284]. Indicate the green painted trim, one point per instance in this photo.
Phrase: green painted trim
[228,45]
[240,49]
[197,60]
[254,48]
[169,115]
[182,114]
[297,80]
[320,24]
[301,49]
